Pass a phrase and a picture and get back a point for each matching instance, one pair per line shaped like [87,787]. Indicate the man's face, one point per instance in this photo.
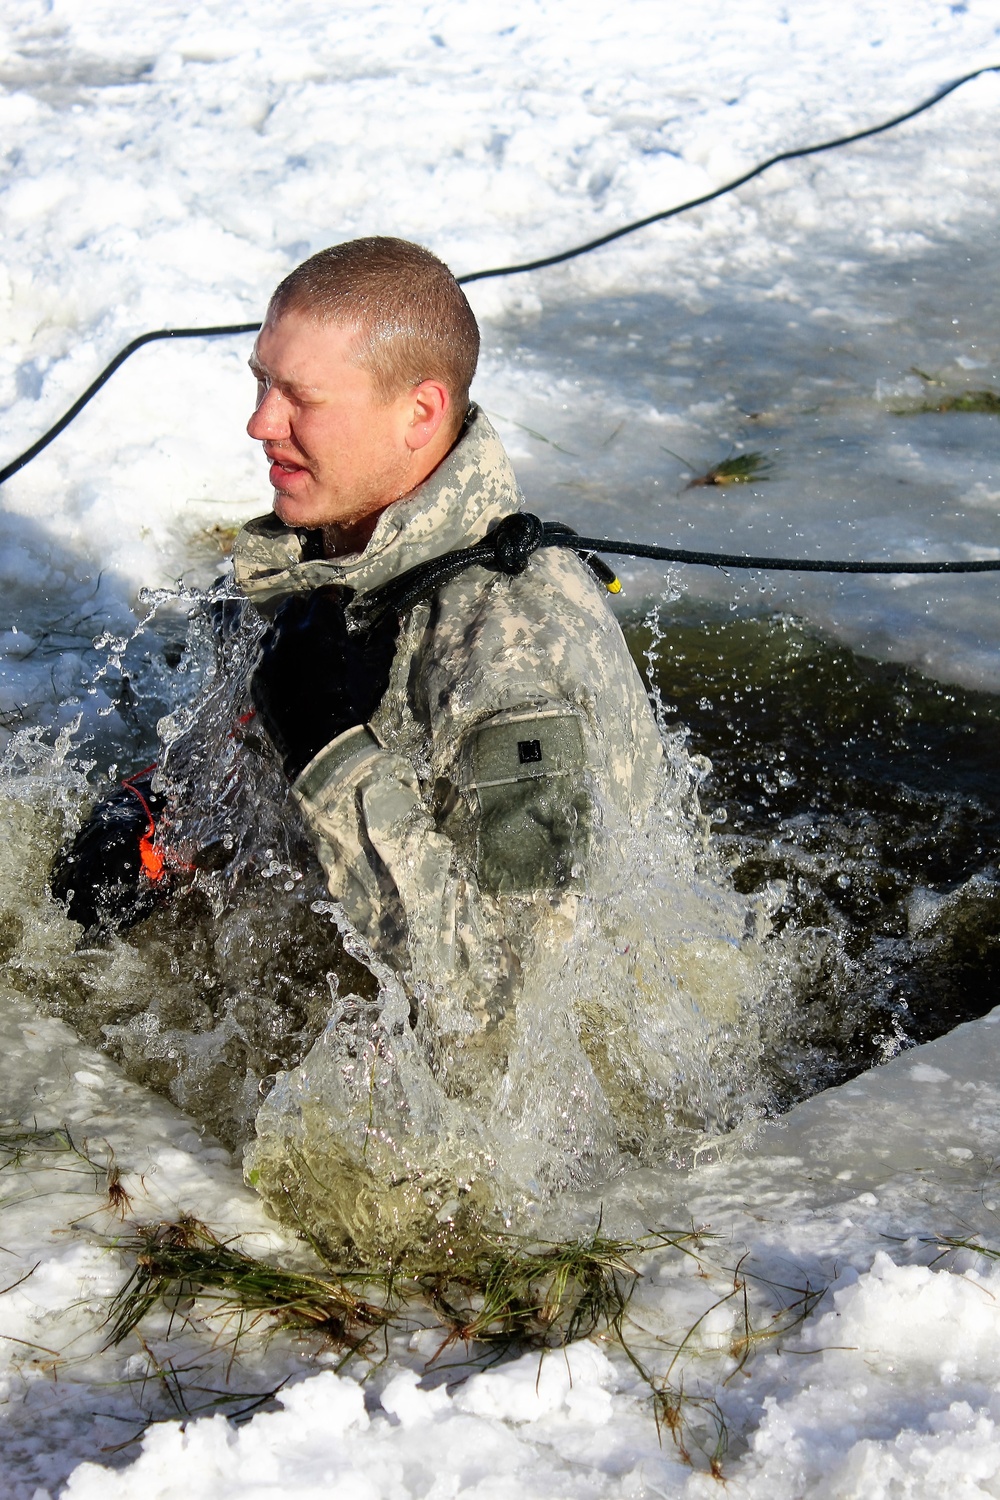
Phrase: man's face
[337,453]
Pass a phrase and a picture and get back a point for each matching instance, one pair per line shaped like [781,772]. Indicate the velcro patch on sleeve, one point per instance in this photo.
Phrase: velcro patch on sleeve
[526,771]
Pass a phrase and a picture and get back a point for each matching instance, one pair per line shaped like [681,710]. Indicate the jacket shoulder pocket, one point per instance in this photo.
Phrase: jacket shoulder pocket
[525,771]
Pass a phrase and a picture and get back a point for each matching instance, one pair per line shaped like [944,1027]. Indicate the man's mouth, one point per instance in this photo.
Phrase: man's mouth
[284,471]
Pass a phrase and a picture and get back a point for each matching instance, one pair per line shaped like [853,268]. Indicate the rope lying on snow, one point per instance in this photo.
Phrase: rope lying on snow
[730,187]
[633,549]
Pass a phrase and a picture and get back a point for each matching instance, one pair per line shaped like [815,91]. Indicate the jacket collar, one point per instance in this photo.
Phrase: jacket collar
[470,490]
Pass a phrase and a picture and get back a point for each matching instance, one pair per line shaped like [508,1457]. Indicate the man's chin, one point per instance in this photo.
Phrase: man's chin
[294,511]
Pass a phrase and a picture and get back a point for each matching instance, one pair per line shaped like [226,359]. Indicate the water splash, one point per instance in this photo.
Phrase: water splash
[716,977]
[386,1125]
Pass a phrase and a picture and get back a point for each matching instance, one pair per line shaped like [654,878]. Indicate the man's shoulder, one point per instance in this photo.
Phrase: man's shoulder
[556,591]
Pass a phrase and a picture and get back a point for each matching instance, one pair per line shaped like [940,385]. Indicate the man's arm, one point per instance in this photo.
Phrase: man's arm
[421,888]
[395,873]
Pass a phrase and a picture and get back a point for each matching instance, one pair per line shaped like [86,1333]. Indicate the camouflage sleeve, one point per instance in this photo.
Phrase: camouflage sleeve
[421,888]
[545,642]
[386,862]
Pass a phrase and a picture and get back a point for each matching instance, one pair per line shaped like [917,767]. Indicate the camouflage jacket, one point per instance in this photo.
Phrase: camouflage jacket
[515,744]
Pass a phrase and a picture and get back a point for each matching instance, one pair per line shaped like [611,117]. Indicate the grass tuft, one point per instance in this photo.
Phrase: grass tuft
[183,1260]
[504,1294]
[946,1243]
[119,1199]
[541,1296]
[18,1142]
[985,402]
[23,1145]
[977,401]
[498,1297]
[501,1299]
[738,468]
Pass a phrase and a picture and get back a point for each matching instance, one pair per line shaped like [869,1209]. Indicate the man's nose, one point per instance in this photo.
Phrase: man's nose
[269,422]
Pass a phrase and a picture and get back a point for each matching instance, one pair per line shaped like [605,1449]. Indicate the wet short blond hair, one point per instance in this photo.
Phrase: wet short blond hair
[412,319]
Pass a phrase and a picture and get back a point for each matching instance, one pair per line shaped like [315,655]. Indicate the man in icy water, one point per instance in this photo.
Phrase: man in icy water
[457,754]
[486,743]
[481,777]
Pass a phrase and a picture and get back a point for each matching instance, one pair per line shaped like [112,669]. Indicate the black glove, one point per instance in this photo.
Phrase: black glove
[315,678]
[112,875]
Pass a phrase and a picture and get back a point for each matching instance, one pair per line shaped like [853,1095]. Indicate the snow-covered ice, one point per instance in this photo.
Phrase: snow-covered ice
[890,1386]
[163,166]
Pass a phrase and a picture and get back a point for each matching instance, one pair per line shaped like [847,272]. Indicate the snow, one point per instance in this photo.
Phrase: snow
[891,1383]
[164,166]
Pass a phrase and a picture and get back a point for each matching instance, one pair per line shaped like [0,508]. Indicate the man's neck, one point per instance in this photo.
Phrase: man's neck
[345,539]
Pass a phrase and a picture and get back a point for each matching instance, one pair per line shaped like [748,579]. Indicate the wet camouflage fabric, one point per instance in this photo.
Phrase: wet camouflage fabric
[420,829]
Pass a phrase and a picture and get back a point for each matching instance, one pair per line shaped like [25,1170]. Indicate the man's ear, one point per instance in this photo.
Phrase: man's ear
[429,405]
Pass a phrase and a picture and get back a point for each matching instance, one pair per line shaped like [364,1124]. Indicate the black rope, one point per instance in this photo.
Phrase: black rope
[778,564]
[18,463]
[106,374]
[509,547]
[729,187]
